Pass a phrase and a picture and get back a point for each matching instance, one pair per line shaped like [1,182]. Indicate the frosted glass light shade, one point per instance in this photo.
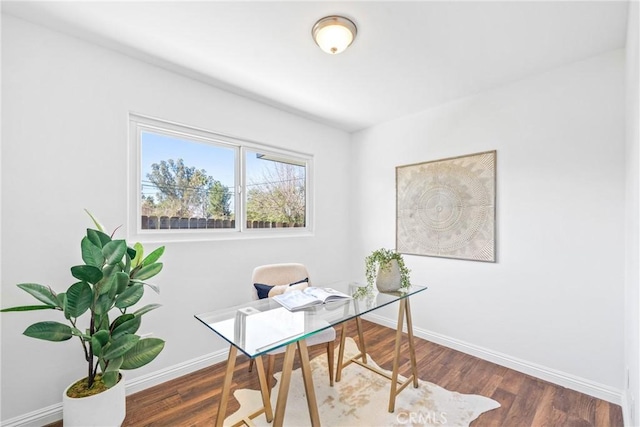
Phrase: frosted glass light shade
[334,33]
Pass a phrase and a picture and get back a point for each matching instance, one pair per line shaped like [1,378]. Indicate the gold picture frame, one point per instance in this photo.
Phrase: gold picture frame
[446,208]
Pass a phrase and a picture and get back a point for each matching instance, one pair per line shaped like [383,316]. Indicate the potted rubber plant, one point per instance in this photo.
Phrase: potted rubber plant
[387,269]
[97,309]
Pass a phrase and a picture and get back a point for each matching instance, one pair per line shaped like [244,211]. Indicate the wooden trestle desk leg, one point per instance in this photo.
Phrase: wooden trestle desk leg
[330,351]
[361,346]
[285,380]
[412,349]
[228,376]
[264,389]
[308,383]
[403,311]
[341,353]
[224,397]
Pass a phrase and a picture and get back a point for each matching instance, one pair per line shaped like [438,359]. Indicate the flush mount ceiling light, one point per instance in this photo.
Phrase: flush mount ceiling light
[334,33]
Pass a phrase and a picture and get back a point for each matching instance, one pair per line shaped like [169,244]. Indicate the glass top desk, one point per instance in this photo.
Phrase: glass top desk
[258,327]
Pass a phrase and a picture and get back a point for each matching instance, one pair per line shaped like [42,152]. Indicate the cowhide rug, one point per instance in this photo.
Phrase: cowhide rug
[361,398]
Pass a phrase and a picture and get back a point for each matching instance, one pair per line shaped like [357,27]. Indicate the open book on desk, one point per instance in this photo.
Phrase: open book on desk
[308,297]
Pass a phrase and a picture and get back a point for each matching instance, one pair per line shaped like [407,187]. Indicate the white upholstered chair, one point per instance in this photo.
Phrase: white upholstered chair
[281,276]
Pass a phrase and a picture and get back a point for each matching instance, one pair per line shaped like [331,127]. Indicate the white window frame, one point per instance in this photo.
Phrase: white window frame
[139,123]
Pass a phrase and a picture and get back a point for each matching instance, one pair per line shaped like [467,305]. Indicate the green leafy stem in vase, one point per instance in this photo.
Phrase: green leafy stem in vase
[381,259]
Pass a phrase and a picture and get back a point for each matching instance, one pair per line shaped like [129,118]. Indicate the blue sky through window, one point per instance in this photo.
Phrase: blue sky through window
[216,160]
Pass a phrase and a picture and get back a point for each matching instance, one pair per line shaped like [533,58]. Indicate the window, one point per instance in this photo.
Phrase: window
[194,184]
[275,191]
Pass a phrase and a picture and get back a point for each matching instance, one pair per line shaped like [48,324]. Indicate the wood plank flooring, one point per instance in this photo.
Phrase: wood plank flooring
[192,400]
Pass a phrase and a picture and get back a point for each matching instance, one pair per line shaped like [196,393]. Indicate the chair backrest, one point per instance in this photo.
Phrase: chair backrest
[278,274]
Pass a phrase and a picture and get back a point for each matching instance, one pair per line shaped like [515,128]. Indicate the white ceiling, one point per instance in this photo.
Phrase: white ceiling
[407,57]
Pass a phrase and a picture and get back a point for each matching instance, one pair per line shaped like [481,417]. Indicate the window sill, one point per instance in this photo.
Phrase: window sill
[218,235]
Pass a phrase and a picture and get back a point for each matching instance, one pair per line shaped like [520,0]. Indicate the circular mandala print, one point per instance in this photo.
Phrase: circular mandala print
[440,208]
[445,209]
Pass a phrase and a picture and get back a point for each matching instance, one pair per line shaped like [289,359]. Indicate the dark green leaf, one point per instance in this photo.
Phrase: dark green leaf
[127,264]
[120,346]
[122,281]
[110,378]
[147,271]
[41,293]
[102,336]
[102,322]
[135,261]
[87,273]
[98,238]
[131,326]
[62,298]
[105,285]
[114,364]
[153,256]
[144,352]
[147,308]
[130,296]
[91,254]
[50,331]
[103,305]
[114,251]
[120,320]
[96,346]
[109,270]
[131,252]
[79,299]
[29,308]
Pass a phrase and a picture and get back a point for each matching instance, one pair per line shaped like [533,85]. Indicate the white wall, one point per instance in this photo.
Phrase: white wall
[554,299]
[64,114]
[632,232]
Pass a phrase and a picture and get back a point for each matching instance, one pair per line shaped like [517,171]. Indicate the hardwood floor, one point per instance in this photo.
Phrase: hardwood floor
[192,400]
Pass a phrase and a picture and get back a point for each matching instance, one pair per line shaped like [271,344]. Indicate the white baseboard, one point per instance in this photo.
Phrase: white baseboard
[563,379]
[53,413]
[176,371]
[37,418]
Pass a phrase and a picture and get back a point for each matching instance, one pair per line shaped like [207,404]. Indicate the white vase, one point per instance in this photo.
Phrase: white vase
[106,409]
[388,279]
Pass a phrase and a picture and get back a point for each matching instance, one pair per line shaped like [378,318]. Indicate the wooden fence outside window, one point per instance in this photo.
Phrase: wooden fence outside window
[175,223]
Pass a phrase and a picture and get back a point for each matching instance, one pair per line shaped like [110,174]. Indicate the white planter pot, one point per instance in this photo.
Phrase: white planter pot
[106,409]
[389,280]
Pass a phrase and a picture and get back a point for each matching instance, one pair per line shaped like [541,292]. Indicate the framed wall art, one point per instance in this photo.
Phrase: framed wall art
[446,208]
